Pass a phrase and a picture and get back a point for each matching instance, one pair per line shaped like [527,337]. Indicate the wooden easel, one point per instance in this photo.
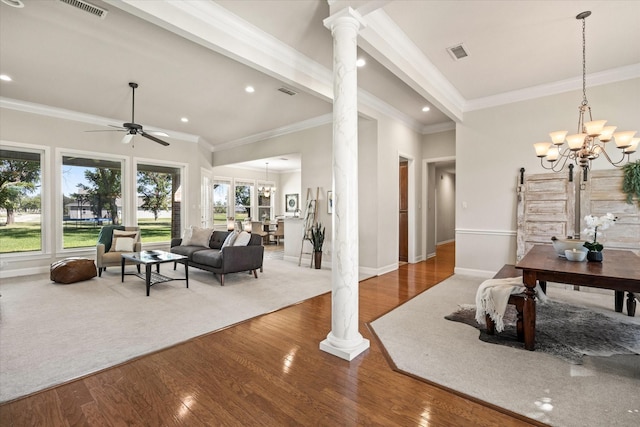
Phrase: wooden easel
[310,218]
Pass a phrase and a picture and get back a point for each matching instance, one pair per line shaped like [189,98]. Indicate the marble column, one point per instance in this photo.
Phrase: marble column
[344,340]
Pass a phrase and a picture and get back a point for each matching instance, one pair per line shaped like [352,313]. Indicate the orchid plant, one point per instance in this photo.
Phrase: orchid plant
[594,224]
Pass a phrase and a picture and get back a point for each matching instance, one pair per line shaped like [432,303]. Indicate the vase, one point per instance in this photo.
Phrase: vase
[317,259]
[594,256]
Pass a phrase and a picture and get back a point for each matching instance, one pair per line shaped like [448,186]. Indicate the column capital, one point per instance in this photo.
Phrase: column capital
[346,16]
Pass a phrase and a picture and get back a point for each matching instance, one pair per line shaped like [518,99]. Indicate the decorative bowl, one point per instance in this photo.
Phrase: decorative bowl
[575,255]
[561,245]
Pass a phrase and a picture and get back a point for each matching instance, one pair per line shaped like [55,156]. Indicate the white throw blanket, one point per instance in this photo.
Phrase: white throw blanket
[492,298]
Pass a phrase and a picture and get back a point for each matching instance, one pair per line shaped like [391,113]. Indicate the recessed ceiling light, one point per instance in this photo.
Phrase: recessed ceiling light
[5,78]
[360,62]
[184,120]
[249,89]
[14,3]
[425,109]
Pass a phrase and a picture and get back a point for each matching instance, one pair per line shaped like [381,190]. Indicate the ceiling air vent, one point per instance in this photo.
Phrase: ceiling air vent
[87,7]
[288,91]
[458,52]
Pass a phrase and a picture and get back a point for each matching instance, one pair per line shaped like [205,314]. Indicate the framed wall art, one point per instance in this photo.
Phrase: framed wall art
[291,202]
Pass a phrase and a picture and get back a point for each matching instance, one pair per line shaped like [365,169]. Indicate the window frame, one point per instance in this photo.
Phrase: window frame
[181,194]
[45,199]
[125,191]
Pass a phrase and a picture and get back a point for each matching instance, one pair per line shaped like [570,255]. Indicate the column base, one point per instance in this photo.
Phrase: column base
[344,353]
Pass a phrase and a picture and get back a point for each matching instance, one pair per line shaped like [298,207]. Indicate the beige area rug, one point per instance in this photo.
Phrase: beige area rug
[603,391]
[52,333]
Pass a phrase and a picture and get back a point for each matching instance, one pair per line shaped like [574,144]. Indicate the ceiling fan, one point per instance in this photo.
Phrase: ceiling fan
[134,128]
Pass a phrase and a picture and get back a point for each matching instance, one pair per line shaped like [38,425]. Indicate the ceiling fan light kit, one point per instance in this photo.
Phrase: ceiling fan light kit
[590,140]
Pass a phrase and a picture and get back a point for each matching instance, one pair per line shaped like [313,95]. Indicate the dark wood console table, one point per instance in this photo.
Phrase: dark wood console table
[620,271]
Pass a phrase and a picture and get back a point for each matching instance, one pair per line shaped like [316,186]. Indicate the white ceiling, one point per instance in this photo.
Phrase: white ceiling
[61,57]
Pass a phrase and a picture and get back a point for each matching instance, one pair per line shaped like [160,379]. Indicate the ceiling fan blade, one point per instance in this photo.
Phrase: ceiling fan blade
[153,138]
[106,130]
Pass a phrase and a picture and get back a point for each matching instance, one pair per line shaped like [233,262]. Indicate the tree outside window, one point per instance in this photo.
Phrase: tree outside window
[20,206]
[158,205]
[92,197]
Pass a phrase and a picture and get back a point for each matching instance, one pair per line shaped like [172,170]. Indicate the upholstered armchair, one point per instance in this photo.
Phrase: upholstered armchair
[113,241]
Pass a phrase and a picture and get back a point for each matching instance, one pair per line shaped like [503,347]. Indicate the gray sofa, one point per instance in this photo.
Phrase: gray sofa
[231,259]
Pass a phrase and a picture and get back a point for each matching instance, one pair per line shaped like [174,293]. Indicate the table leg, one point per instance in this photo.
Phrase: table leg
[158,268]
[186,272]
[529,310]
[148,277]
[631,304]
[122,280]
[618,300]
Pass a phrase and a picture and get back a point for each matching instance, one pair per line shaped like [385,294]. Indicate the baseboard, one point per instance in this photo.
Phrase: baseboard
[473,272]
[5,274]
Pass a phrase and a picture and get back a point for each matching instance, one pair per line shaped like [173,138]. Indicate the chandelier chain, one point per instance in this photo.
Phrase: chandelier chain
[584,63]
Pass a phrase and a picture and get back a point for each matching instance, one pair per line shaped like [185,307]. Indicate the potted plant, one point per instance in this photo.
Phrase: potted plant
[631,181]
[593,224]
[317,240]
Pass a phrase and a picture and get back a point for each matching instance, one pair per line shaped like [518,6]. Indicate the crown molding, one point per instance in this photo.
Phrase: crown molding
[394,50]
[596,79]
[61,113]
[295,127]
[437,128]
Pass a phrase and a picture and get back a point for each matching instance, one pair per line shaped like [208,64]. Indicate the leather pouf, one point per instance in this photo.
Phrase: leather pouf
[71,270]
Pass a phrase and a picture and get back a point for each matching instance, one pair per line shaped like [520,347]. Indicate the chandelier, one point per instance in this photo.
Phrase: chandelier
[590,140]
[266,189]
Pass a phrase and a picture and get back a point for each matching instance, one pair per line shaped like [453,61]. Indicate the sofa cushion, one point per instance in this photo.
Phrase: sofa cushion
[217,239]
[231,237]
[187,251]
[200,236]
[242,239]
[210,257]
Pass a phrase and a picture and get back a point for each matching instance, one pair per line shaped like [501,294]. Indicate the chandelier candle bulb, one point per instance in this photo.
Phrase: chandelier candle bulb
[594,128]
[633,146]
[623,139]
[575,141]
[558,136]
[607,133]
[552,154]
[541,148]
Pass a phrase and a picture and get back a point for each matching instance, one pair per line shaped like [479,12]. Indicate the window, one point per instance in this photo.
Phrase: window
[243,192]
[265,195]
[91,197]
[221,205]
[20,200]
[158,208]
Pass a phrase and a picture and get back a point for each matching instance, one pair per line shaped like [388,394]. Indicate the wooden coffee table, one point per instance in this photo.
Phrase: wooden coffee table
[619,271]
[149,258]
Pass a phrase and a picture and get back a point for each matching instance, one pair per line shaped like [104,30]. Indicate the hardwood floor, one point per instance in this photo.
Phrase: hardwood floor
[268,372]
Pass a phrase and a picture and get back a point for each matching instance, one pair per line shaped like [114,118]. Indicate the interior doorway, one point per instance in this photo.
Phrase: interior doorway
[403,213]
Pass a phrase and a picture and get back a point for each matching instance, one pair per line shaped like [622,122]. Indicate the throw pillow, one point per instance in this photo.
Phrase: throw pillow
[124,244]
[200,236]
[118,234]
[231,238]
[186,238]
[106,235]
[242,239]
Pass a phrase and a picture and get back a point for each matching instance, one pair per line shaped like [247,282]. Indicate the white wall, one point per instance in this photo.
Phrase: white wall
[436,148]
[494,143]
[53,133]
[445,205]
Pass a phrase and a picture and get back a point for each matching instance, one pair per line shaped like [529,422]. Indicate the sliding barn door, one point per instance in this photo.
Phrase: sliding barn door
[546,208]
[601,194]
